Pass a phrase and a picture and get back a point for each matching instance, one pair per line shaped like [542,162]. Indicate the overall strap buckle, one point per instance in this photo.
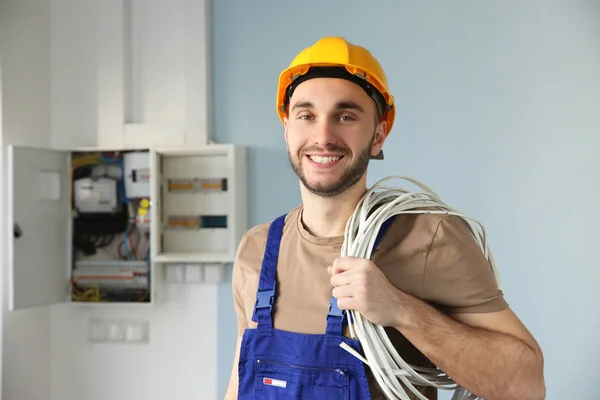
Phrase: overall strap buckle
[267,284]
[264,299]
[334,310]
[335,319]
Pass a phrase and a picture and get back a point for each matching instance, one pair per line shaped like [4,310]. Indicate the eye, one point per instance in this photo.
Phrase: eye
[347,118]
[305,116]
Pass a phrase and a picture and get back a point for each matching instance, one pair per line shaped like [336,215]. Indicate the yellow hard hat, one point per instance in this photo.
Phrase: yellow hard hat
[360,67]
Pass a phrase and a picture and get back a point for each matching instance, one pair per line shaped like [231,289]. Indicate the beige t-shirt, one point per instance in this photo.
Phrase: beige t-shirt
[432,257]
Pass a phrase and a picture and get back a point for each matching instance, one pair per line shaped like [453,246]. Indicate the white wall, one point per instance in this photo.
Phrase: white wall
[1,222]
[25,57]
[1,209]
[179,362]
[64,84]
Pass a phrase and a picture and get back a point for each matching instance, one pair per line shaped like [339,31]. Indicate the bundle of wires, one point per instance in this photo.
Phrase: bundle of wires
[380,203]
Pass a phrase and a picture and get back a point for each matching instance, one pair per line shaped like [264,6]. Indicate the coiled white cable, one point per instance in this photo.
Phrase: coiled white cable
[377,205]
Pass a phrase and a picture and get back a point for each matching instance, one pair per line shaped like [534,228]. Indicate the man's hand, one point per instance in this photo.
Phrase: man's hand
[359,285]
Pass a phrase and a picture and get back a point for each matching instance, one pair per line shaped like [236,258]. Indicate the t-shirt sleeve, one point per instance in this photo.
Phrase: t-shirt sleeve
[457,276]
[237,287]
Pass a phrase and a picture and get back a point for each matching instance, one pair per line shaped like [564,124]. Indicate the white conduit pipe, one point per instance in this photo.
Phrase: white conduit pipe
[377,205]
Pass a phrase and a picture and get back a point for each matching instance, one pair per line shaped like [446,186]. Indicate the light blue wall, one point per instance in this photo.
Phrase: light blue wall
[498,110]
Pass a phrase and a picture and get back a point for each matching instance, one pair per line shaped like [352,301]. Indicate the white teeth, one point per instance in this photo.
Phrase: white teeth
[324,160]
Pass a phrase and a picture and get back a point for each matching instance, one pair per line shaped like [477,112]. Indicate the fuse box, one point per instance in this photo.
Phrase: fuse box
[111,252]
[92,227]
[200,206]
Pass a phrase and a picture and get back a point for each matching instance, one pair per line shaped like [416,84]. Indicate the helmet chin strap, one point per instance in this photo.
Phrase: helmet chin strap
[379,156]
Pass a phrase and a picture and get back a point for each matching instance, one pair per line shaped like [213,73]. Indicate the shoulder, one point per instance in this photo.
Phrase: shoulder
[412,233]
[254,235]
[403,250]
[251,247]
[441,260]
[435,238]
[424,230]
[253,242]
[459,271]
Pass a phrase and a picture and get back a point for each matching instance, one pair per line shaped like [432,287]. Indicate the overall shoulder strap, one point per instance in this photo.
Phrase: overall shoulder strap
[267,284]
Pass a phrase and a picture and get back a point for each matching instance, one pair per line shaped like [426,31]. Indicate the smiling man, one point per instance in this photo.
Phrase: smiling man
[428,283]
[330,168]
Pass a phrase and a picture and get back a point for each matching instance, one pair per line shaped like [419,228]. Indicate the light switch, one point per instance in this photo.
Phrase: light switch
[97,330]
[193,273]
[137,332]
[175,272]
[116,332]
[214,273]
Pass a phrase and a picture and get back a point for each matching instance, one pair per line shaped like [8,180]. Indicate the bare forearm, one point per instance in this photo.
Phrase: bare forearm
[492,365]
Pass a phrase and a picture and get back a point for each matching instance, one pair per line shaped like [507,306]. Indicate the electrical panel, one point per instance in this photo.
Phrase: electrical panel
[111,250]
[200,204]
[100,223]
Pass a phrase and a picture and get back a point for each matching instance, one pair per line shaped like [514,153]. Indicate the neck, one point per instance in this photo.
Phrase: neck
[327,216]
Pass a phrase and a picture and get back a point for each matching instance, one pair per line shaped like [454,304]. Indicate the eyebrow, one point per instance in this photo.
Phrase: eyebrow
[342,105]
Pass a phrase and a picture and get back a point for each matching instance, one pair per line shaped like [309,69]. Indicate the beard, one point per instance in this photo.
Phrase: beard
[349,178]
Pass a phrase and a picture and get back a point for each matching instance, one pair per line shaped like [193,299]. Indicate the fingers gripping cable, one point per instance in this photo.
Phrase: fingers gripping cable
[389,369]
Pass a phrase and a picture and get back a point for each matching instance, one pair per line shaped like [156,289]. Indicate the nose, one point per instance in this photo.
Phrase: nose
[324,134]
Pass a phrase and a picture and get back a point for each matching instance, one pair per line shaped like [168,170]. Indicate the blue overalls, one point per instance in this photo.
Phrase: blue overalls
[277,364]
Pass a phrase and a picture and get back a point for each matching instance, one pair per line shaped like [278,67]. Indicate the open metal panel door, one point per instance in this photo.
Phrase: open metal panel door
[156,204]
[39,217]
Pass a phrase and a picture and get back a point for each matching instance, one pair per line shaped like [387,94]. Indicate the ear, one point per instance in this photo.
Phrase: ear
[285,131]
[380,130]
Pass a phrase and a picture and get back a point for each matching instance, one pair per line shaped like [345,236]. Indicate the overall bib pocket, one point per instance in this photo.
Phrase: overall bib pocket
[282,380]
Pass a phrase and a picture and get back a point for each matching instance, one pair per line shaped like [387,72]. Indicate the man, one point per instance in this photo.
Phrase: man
[428,282]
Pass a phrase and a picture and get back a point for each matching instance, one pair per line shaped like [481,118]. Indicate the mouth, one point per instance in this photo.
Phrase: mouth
[324,160]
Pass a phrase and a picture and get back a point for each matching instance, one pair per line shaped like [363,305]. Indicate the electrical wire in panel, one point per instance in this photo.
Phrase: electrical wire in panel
[111,227]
